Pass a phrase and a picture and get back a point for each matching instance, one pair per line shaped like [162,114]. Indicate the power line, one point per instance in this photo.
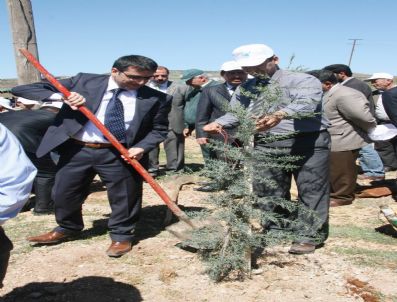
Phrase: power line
[351,53]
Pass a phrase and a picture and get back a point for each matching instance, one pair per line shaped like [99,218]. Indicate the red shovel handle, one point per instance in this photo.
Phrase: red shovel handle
[133,162]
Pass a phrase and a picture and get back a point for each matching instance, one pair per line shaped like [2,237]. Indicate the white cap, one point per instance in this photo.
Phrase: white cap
[230,65]
[55,104]
[252,54]
[6,103]
[27,102]
[380,75]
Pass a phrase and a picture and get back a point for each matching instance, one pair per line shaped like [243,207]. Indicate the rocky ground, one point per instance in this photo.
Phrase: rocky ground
[357,263]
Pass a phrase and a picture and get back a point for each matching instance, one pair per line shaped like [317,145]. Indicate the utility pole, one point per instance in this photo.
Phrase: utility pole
[24,36]
[354,45]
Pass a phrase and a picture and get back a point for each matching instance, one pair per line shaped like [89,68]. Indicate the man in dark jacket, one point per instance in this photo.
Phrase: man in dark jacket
[135,114]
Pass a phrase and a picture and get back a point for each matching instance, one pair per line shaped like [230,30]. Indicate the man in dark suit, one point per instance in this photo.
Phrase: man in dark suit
[29,126]
[215,99]
[213,103]
[386,149]
[385,82]
[134,113]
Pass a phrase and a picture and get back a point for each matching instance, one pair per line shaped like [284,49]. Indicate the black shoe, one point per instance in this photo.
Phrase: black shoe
[153,174]
[39,212]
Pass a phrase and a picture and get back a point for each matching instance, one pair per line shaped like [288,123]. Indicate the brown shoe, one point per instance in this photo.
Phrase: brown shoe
[338,202]
[302,248]
[119,248]
[49,238]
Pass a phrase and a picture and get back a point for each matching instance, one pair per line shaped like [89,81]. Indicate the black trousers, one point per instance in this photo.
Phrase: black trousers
[387,151]
[5,248]
[78,165]
[43,182]
[312,179]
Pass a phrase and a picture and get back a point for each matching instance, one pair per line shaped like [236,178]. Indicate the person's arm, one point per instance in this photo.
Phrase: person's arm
[159,129]
[302,94]
[203,115]
[354,107]
[389,99]
[44,90]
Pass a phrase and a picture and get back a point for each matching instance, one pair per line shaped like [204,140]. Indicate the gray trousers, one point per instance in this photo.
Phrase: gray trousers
[312,179]
[174,147]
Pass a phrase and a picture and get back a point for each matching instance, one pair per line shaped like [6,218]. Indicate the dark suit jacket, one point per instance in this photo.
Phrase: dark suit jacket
[212,104]
[364,89]
[148,128]
[389,100]
[29,126]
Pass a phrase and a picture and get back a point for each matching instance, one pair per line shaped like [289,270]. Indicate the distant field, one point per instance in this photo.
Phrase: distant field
[174,76]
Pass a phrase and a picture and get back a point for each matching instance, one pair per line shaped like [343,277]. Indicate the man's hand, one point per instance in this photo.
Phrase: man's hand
[135,153]
[187,132]
[213,127]
[202,140]
[269,121]
[75,100]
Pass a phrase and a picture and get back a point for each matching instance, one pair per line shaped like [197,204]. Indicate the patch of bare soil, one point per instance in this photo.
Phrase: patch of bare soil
[157,270]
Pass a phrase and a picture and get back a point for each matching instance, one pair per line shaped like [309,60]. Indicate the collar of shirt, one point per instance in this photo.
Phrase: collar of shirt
[348,79]
[113,85]
[161,87]
[90,133]
[230,88]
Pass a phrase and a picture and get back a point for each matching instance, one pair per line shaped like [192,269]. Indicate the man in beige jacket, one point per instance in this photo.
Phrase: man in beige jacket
[350,119]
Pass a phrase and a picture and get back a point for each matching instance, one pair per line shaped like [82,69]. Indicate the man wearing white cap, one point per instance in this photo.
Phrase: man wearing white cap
[385,82]
[385,149]
[212,104]
[297,95]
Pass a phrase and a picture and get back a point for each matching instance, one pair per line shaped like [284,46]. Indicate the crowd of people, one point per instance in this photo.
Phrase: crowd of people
[327,113]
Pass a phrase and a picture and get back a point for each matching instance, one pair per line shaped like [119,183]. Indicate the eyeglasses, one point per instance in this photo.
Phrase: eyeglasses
[136,77]
[160,76]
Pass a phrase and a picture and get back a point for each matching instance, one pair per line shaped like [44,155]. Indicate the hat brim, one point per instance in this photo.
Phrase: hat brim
[249,62]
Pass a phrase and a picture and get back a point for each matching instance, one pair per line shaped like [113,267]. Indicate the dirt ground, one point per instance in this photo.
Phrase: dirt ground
[357,263]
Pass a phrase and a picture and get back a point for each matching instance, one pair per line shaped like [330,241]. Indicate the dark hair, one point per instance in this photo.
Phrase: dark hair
[165,68]
[315,73]
[324,75]
[336,68]
[137,61]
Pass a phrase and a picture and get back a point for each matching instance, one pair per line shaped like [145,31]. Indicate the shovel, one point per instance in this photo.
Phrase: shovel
[133,162]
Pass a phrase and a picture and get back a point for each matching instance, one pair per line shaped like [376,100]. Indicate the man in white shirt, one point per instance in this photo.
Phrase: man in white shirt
[135,114]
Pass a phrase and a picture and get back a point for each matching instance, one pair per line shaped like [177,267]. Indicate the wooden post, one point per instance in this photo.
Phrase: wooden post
[24,36]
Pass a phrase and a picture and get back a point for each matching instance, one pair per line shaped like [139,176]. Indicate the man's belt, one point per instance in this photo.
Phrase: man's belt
[92,145]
